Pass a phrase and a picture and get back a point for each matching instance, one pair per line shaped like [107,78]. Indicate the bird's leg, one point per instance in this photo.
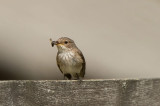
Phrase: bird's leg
[79,79]
[68,76]
[64,77]
[77,76]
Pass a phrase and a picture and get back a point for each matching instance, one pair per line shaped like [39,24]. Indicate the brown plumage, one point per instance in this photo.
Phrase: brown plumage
[70,59]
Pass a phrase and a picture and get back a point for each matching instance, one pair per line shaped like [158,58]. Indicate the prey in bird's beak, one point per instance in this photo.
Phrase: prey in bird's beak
[53,42]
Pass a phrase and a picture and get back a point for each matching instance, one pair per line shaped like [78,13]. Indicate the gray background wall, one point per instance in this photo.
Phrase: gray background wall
[119,39]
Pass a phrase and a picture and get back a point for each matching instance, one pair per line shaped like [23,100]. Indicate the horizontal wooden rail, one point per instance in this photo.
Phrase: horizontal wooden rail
[97,92]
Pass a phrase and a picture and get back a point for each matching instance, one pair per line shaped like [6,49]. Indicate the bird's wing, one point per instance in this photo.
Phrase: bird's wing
[58,63]
[82,73]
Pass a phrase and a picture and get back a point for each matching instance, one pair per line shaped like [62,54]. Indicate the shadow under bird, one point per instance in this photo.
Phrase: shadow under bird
[70,59]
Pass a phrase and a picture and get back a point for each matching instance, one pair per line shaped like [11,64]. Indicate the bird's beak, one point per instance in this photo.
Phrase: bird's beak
[54,43]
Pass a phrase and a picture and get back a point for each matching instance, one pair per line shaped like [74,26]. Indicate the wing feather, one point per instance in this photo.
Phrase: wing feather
[82,72]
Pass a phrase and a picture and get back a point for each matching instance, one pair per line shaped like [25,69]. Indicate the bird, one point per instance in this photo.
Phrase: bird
[70,59]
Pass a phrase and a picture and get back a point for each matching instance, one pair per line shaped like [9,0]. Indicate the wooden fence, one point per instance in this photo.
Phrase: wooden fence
[97,92]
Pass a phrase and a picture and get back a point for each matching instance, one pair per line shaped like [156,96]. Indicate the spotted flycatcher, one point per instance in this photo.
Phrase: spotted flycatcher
[70,59]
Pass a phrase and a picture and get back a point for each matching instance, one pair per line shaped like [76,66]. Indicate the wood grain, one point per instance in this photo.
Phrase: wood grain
[120,92]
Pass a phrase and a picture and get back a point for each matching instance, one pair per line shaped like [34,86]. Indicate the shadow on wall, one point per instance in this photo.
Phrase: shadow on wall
[6,72]
[11,71]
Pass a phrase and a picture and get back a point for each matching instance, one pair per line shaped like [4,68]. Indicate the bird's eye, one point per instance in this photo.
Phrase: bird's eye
[66,42]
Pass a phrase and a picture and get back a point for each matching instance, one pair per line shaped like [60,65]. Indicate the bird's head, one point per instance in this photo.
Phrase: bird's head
[64,44]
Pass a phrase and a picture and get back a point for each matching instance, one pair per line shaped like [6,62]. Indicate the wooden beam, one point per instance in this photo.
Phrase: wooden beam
[97,92]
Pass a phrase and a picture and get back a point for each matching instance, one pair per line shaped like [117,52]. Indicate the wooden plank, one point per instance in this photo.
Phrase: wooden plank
[123,92]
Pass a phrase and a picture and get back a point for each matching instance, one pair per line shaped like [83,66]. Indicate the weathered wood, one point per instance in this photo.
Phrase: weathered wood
[131,92]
